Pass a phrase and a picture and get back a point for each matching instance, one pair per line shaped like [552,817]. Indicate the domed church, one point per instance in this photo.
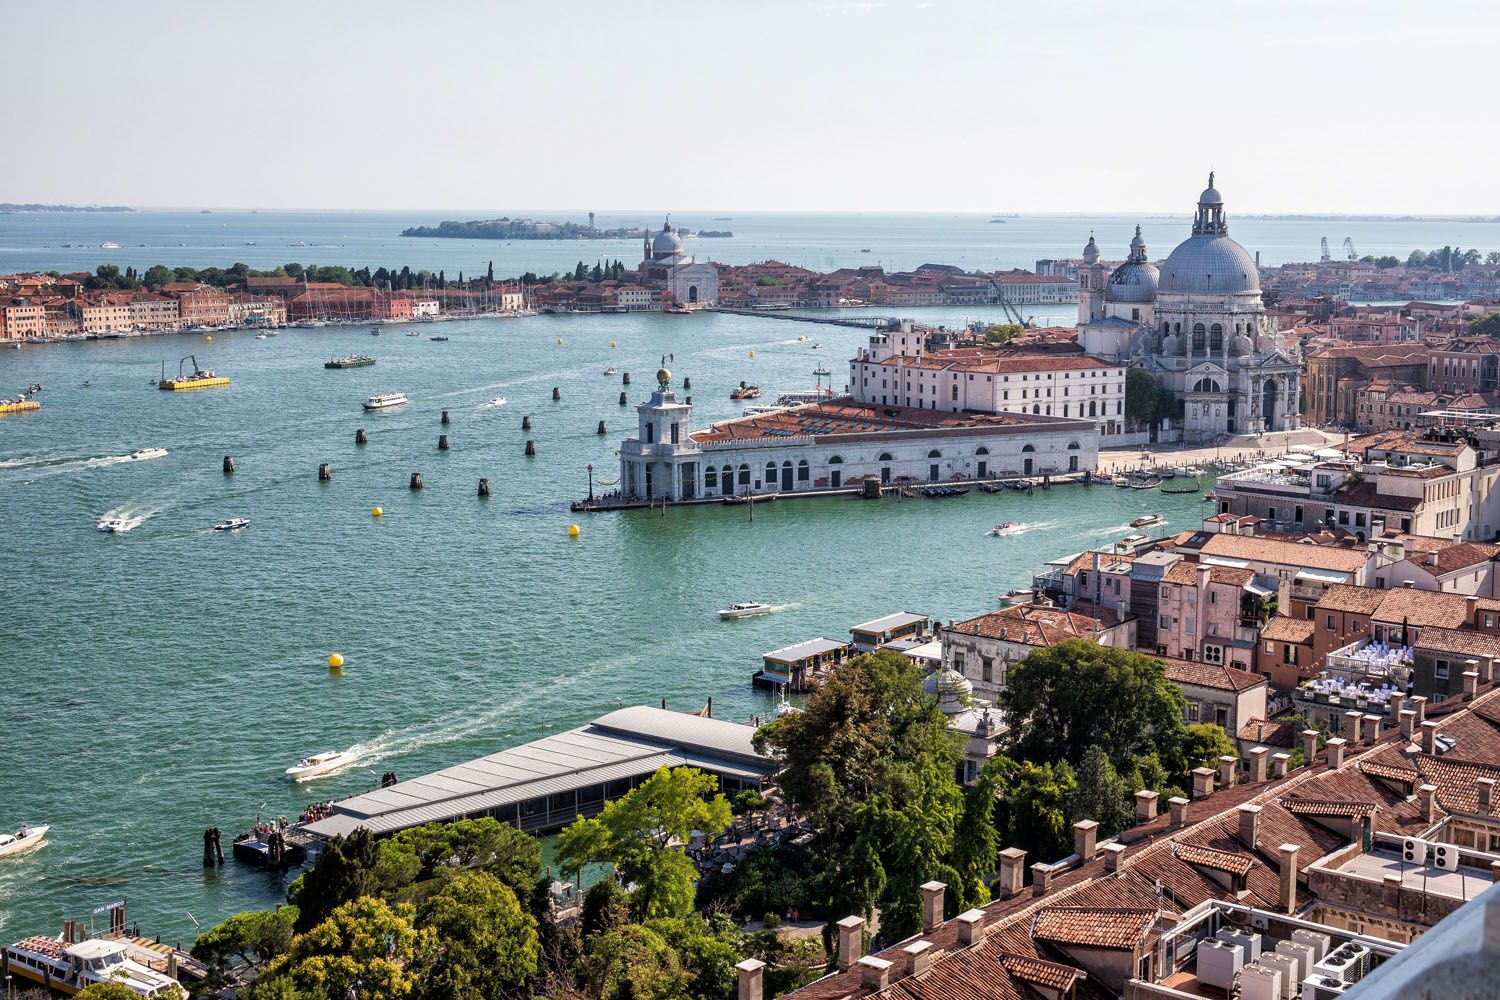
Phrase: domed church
[666,265]
[1197,323]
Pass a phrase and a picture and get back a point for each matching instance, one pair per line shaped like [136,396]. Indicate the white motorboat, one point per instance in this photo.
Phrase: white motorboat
[1149,521]
[71,968]
[27,838]
[320,764]
[745,609]
[386,400]
[146,454]
[233,524]
[113,525]
[1008,528]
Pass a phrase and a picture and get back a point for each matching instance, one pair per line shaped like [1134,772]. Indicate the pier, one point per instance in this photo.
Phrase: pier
[858,322]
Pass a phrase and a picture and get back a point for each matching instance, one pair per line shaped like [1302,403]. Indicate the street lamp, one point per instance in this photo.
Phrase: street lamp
[591,483]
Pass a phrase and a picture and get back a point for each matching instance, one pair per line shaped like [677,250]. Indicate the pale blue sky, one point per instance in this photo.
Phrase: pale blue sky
[921,105]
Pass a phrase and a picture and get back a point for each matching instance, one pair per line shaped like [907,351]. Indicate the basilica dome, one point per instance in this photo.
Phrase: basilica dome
[1209,261]
[666,243]
[1136,279]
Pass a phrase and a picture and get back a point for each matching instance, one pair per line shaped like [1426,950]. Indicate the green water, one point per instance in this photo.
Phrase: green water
[157,682]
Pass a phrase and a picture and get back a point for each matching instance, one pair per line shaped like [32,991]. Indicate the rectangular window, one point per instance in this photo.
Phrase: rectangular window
[1330,623]
[1440,670]
[987,668]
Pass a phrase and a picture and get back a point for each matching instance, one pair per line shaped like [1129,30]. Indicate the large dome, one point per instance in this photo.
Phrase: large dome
[666,243]
[1209,263]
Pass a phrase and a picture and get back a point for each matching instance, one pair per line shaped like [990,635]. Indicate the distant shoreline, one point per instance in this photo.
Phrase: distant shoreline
[14,208]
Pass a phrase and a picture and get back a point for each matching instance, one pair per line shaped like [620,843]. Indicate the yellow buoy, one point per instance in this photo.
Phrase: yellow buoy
[335,660]
[376,512]
[559,340]
[208,336]
[611,343]
[572,531]
[752,354]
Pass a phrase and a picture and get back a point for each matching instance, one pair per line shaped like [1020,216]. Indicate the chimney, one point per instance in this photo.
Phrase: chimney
[1427,798]
[1012,871]
[1471,683]
[851,942]
[1228,768]
[1288,897]
[1352,722]
[752,974]
[932,905]
[874,973]
[921,957]
[1145,805]
[1336,752]
[1177,805]
[971,928]
[1397,702]
[1279,763]
[1372,727]
[1114,853]
[1250,825]
[1485,787]
[1419,705]
[1084,832]
[1309,746]
[1041,874]
[1408,721]
[1203,782]
[1429,737]
[1257,758]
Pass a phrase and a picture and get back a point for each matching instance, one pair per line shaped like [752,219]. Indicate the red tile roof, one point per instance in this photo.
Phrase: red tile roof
[1210,675]
[1094,927]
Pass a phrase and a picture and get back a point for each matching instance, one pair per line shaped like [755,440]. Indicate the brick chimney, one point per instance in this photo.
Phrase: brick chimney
[1228,768]
[1041,875]
[874,973]
[1427,799]
[1352,721]
[752,974]
[1419,705]
[970,928]
[1279,764]
[1371,727]
[1336,752]
[1249,825]
[1287,900]
[1114,853]
[1408,722]
[1485,789]
[932,905]
[1429,737]
[1145,805]
[921,956]
[1084,833]
[1309,746]
[1203,782]
[1471,683]
[1257,759]
[1178,807]
[1397,702]
[1012,871]
[851,942]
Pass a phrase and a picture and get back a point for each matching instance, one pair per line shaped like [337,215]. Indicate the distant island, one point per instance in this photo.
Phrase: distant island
[9,207]
[532,229]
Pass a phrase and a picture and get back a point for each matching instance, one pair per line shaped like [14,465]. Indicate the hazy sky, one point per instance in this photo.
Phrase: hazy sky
[921,105]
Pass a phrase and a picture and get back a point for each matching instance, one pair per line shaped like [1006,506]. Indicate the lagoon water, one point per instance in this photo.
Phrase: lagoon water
[155,683]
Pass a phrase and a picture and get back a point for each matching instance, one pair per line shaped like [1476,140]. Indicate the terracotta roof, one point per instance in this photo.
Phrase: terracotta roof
[1326,807]
[1030,625]
[1283,553]
[1283,628]
[1094,927]
[1388,771]
[1209,675]
[1347,597]
[1268,733]
[1461,555]
[1053,975]
[1208,857]
[1187,573]
[997,364]
[1422,608]
[1465,642]
[844,417]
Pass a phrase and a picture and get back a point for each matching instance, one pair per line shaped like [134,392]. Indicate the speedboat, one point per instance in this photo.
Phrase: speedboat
[233,524]
[113,525]
[745,609]
[146,454]
[1008,528]
[386,400]
[27,838]
[611,370]
[260,336]
[1149,521]
[320,764]
[438,339]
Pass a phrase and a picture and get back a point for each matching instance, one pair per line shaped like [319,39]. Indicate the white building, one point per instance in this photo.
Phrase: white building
[666,265]
[424,308]
[830,445]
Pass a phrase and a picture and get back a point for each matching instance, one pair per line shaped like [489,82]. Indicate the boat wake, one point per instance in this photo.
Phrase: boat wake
[138,456]
[131,516]
[451,728]
[493,404]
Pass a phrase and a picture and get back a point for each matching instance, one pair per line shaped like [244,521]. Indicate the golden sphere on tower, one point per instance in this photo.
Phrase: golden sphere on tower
[663,376]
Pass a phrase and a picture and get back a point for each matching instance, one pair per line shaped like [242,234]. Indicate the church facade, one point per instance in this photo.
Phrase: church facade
[666,265]
[1198,325]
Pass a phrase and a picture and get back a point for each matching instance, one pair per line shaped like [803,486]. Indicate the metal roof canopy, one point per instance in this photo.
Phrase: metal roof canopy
[889,622]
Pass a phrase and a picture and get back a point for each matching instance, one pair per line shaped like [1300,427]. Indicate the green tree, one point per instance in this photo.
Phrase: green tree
[1487,325]
[1204,743]
[1141,398]
[1101,794]
[1063,699]
[119,991]
[632,963]
[484,844]
[975,844]
[345,871]
[484,942]
[1032,813]
[365,942]
[708,951]
[1002,333]
[245,941]
[157,275]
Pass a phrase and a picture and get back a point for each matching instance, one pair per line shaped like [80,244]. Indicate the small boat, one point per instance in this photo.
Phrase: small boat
[25,839]
[821,372]
[320,764]
[146,454]
[374,332]
[1208,498]
[743,391]
[386,400]
[677,309]
[88,384]
[70,969]
[1123,482]
[935,492]
[260,336]
[113,525]
[991,487]
[438,339]
[864,249]
[109,245]
[1008,528]
[414,333]
[745,609]
[1149,521]
[1143,484]
[233,524]
[611,370]
[817,347]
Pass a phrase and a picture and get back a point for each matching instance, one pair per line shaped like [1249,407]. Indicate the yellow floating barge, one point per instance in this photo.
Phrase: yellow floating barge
[19,406]
[198,380]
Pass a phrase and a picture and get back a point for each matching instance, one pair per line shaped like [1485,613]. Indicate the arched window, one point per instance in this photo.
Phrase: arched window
[1198,332]
[955,391]
[1065,409]
[1027,448]
[982,451]
[744,475]
[885,456]
[1216,338]
[1092,411]
[726,480]
[1178,330]
[804,471]
[934,453]
[1166,327]
[1206,385]
[1036,408]
[1073,446]
[770,473]
[835,460]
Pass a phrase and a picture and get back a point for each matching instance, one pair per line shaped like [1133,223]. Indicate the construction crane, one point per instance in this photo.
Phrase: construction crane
[1011,312]
[1349,248]
[1325,258]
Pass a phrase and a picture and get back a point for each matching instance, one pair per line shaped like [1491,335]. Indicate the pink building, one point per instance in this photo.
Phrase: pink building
[1208,613]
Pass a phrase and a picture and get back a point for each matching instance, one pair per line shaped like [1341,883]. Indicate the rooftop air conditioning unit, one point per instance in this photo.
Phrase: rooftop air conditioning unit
[1414,851]
[1219,962]
[1250,942]
[1322,988]
[1290,969]
[1317,940]
[1260,983]
[1443,856]
[1347,963]
[1301,952]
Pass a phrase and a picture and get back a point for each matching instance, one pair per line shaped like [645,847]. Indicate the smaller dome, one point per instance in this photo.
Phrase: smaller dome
[1210,195]
[663,376]
[1132,282]
[951,688]
[1091,250]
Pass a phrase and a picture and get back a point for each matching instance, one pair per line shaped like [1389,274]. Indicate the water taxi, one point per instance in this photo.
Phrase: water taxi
[743,391]
[201,378]
[233,524]
[70,968]
[745,609]
[113,525]
[611,370]
[27,838]
[1008,528]
[18,405]
[386,400]
[350,361]
[1149,521]
[146,454]
[320,764]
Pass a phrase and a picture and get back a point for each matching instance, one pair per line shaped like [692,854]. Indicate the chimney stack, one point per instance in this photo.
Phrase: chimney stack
[1419,705]
[1427,798]
[1471,683]
[1288,896]
[1372,727]
[1336,753]
[971,928]
[1429,737]
[1012,871]
[1145,805]
[1352,722]
[1408,722]
[874,973]
[1250,825]
[1114,853]
[932,905]
[1084,833]
[1486,791]
[1257,758]
[1178,807]
[851,942]
[1309,746]
[921,957]
[1279,764]
[1041,875]
[752,974]
[1203,782]
[1397,702]
[1228,766]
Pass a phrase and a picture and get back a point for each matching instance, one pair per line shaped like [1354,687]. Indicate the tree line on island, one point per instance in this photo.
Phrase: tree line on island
[111,277]
[531,229]
[1447,260]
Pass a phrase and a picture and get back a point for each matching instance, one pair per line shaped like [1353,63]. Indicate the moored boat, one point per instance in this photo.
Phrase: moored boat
[350,361]
[201,378]
[386,400]
[71,968]
[744,391]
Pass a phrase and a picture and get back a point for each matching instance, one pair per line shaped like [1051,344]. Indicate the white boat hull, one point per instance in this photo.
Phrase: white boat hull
[36,837]
[321,769]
